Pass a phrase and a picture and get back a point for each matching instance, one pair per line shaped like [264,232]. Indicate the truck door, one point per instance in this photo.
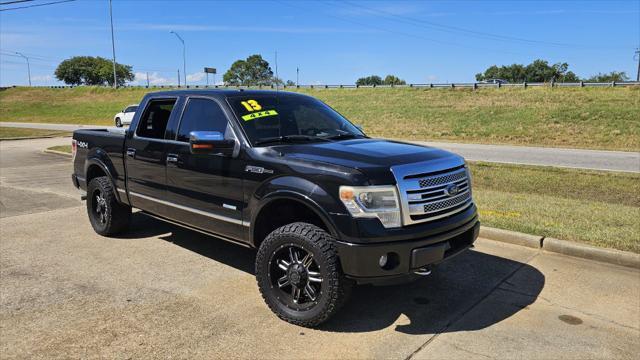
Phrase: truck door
[145,157]
[206,188]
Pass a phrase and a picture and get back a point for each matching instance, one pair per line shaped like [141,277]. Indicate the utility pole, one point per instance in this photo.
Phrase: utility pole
[638,56]
[147,79]
[113,48]
[297,76]
[184,57]
[28,66]
[277,79]
[178,77]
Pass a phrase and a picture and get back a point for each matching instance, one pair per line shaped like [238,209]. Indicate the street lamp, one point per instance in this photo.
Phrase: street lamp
[113,48]
[28,66]
[184,57]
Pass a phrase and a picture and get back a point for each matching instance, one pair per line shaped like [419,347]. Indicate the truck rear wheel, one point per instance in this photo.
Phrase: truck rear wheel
[106,214]
[299,275]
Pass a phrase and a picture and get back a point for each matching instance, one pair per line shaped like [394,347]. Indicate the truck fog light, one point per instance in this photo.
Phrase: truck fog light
[383,260]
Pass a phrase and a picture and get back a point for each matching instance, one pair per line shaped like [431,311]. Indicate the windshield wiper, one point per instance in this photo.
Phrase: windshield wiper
[289,138]
[344,136]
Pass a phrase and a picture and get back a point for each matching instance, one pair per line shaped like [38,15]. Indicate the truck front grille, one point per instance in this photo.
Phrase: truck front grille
[430,195]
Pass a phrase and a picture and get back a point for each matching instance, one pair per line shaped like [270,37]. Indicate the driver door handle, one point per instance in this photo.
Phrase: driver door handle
[131,152]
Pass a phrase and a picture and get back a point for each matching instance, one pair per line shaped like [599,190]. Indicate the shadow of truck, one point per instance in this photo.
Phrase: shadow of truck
[433,304]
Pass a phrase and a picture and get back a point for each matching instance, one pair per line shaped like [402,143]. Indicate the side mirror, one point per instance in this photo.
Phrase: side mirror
[210,142]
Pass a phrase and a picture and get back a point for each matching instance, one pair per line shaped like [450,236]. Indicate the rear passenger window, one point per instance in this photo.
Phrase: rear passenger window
[201,115]
[154,121]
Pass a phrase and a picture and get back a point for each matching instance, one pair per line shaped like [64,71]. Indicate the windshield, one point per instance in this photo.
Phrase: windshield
[286,117]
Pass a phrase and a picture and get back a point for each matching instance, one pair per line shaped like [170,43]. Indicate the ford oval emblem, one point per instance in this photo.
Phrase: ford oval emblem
[452,190]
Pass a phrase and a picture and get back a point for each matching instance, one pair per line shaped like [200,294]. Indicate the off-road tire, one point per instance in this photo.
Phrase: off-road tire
[335,288]
[116,215]
[118,122]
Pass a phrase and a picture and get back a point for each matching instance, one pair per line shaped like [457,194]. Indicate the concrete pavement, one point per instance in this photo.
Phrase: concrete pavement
[526,155]
[162,291]
[47,126]
[529,155]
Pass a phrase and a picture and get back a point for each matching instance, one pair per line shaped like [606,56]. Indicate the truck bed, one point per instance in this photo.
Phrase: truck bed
[96,143]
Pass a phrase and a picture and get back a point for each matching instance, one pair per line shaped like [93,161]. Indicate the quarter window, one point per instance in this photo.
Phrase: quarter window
[201,115]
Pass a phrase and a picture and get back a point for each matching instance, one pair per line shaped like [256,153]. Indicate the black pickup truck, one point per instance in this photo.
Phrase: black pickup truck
[325,206]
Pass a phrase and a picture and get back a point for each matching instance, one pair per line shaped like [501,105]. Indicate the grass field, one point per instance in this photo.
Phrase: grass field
[16,133]
[593,207]
[597,208]
[61,148]
[597,118]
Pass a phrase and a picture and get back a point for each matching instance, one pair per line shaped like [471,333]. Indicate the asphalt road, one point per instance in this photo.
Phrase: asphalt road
[162,291]
[525,155]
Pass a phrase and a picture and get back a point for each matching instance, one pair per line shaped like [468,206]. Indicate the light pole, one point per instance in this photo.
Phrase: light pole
[28,66]
[113,48]
[184,57]
[638,56]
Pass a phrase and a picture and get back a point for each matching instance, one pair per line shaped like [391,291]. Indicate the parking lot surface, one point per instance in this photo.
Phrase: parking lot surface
[162,291]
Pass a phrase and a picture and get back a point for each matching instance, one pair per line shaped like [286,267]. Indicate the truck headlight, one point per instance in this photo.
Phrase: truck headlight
[373,202]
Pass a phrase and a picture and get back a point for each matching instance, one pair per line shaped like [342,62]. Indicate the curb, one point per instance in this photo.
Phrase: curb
[511,237]
[59,153]
[610,256]
[570,248]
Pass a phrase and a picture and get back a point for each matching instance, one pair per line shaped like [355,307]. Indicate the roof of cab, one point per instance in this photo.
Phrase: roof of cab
[221,93]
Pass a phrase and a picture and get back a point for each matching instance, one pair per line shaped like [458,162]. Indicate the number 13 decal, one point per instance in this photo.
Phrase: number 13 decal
[251,105]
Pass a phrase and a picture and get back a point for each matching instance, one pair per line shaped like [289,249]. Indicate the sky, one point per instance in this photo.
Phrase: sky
[330,42]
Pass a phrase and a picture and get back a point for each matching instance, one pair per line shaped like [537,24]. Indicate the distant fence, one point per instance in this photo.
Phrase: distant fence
[417,86]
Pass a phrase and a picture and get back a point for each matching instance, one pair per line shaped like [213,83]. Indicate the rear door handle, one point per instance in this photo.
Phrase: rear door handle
[131,152]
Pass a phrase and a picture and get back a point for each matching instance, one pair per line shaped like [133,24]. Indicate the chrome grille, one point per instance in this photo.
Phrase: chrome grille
[444,179]
[424,190]
[446,204]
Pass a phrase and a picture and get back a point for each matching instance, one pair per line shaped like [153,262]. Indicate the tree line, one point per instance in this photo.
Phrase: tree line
[541,71]
[256,71]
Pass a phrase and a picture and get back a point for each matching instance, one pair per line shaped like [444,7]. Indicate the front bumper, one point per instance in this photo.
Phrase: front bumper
[361,261]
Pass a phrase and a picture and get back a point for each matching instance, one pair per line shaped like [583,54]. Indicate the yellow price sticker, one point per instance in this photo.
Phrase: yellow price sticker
[251,105]
[260,114]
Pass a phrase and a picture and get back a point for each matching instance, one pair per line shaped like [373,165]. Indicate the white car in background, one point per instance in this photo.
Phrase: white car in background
[125,117]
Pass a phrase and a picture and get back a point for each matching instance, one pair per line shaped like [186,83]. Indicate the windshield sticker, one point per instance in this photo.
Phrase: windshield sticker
[260,114]
[251,105]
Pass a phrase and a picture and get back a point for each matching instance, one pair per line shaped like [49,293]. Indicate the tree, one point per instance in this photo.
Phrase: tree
[250,72]
[393,80]
[609,77]
[89,70]
[538,71]
[369,80]
[290,83]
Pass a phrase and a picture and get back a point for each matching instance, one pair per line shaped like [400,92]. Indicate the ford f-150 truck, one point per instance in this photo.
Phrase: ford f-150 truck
[325,206]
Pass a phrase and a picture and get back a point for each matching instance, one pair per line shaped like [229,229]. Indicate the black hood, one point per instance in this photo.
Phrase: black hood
[372,157]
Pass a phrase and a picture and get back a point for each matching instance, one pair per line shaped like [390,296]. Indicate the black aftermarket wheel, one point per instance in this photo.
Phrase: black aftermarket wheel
[299,274]
[106,215]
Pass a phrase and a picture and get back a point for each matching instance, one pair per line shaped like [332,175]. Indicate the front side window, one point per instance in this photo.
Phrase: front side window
[154,121]
[201,115]
[287,115]
[131,109]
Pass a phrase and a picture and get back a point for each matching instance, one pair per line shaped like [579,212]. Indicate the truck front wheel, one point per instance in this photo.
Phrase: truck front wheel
[299,274]
[106,214]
